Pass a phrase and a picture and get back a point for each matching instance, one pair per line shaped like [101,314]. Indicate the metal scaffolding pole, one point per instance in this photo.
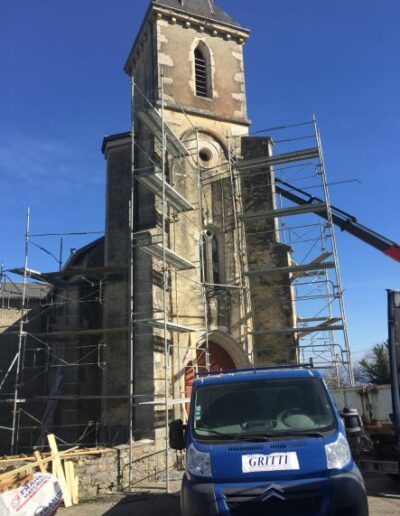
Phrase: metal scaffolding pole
[202,268]
[240,247]
[339,292]
[131,282]
[21,340]
[165,281]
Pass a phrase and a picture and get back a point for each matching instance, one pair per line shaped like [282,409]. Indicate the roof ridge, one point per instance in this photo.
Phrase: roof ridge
[202,8]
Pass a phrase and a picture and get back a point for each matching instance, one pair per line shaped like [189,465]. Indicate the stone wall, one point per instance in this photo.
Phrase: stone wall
[109,472]
[271,294]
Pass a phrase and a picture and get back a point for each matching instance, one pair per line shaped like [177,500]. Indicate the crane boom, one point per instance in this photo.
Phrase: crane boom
[342,219]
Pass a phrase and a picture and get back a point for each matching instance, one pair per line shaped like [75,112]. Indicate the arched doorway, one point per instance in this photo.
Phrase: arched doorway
[220,360]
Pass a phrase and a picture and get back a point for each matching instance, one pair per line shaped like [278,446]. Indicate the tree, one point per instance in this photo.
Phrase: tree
[374,368]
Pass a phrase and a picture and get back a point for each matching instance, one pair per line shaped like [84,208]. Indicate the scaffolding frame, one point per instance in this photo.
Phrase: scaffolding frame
[37,353]
[155,179]
[326,351]
[316,334]
[317,269]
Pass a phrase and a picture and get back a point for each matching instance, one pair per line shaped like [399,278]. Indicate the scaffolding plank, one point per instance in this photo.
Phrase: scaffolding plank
[306,320]
[154,182]
[292,269]
[174,260]
[322,257]
[36,275]
[159,324]
[170,403]
[279,159]
[285,212]
[73,333]
[87,271]
[291,331]
[152,119]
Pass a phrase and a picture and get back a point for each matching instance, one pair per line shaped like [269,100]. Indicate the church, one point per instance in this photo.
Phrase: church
[188,277]
[195,305]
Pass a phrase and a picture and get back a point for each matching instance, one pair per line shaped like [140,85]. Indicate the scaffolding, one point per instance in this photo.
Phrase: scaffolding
[48,343]
[319,328]
[173,155]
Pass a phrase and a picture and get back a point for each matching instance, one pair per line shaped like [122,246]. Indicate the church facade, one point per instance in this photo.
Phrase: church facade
[187,64]
[173,285]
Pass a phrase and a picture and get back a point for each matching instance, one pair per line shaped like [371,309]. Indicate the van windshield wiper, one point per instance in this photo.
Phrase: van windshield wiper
[235,437]
[254,437]
[299,434]
[217,433]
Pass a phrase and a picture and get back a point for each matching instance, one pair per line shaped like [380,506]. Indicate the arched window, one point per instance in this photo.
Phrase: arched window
[212,267]
[202,71]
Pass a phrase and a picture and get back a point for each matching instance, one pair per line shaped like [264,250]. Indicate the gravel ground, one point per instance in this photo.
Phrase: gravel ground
[383,496]
[384,500]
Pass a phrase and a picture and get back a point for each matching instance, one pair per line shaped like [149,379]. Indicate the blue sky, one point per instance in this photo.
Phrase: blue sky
[62,89]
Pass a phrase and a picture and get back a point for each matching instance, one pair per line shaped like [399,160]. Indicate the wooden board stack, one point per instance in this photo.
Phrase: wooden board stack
[62,466]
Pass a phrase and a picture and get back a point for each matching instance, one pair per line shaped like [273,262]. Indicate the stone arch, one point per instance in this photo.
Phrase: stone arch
[230,345]
[225,354]
[189,136]
[220,360]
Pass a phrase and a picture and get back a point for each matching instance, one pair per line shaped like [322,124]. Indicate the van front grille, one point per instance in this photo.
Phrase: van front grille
[245,449]
[274,507]
[290,445]
[306,500]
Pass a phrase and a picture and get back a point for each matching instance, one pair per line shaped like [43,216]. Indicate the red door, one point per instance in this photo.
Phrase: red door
[220,360]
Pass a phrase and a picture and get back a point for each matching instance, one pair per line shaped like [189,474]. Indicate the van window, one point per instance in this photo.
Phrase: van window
[262,408]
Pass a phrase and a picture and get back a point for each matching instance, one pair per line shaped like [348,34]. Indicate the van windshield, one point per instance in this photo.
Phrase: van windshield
[262,409]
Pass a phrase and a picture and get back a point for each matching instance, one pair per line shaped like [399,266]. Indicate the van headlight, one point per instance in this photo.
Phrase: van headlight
[198,463]
[338,454]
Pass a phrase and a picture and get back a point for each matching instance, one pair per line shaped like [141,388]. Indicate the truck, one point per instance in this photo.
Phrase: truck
[266,441]
[379,451]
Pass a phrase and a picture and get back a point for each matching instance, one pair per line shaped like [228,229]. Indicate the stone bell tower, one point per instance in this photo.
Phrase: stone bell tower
[188,62]
[198,49]
[187,72]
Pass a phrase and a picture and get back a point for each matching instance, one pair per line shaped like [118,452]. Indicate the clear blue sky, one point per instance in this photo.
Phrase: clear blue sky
[62,89]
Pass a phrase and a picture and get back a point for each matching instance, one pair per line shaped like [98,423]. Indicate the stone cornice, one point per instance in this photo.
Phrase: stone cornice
[203,24]
[199,23]
[114,141]
[205,114]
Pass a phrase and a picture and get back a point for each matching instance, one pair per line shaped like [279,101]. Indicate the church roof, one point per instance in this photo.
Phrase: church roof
[203,8]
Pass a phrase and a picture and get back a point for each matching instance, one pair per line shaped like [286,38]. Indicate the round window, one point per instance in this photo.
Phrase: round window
[205,155]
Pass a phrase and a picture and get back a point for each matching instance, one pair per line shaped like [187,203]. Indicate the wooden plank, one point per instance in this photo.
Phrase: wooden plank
[69,476]
[29,467]
[22,469]
[39,460]
[75,492]
[58,470]
[70,453]
[14,483]
[71,480]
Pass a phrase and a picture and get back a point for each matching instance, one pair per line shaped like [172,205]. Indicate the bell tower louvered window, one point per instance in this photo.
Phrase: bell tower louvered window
[201,65]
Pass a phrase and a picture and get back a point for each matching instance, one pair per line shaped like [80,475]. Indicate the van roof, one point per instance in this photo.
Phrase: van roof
[256,374]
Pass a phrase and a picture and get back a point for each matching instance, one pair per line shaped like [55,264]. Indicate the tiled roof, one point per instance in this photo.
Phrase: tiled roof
[203,8]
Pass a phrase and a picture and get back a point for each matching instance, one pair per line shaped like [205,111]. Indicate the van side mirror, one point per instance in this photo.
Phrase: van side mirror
[177,435]
[352,422]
